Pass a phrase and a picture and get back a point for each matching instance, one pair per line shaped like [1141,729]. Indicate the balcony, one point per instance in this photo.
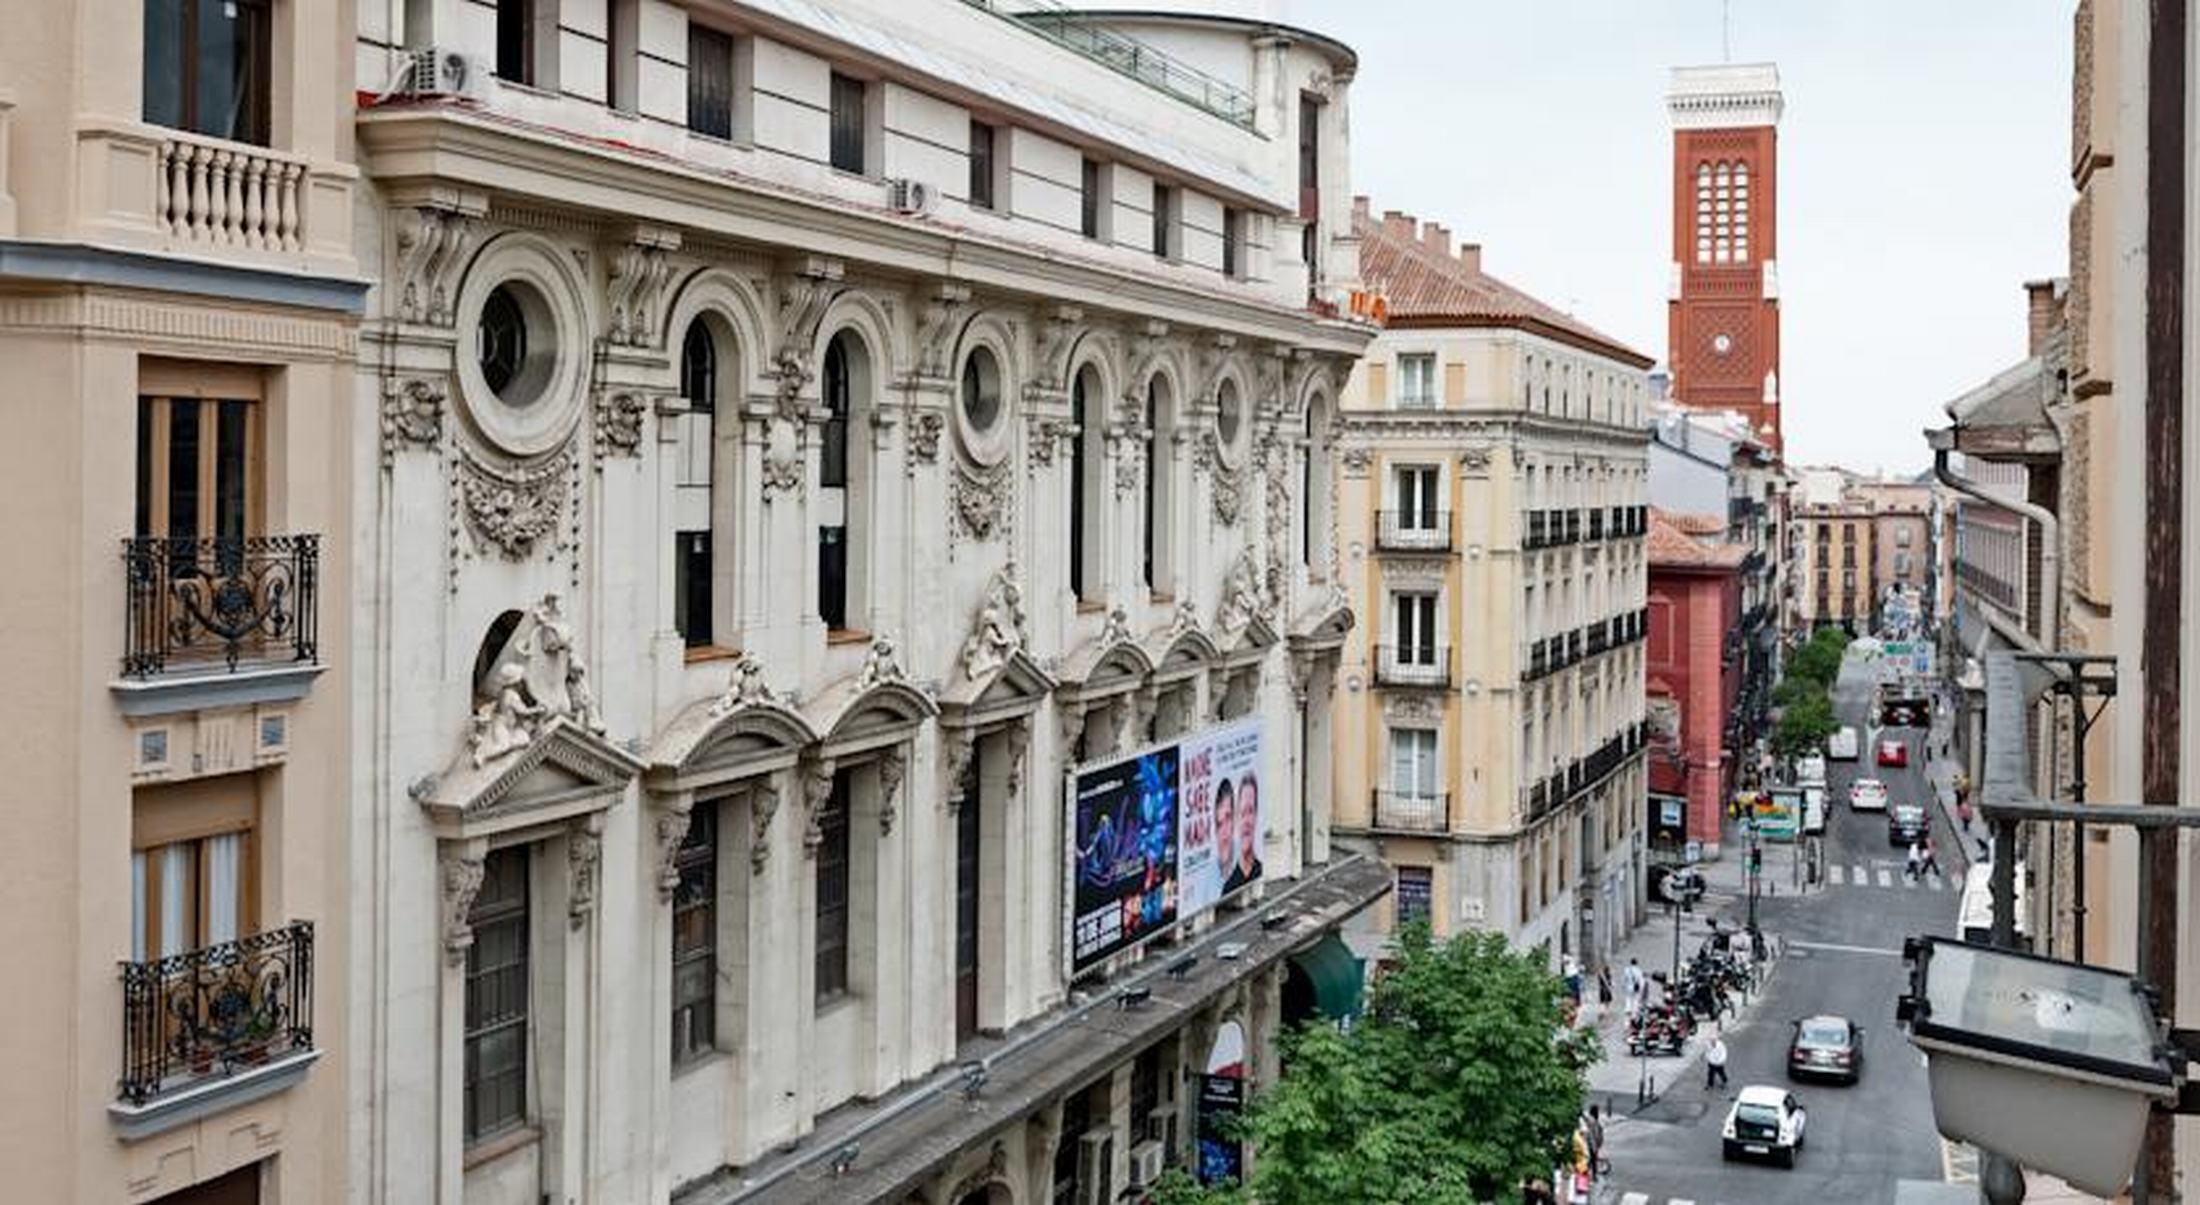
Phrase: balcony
[1413,530]
[1411,812]
[1082,34]
[1596,523]
[214,1028]
[1538,530]
[223,621]
[1413,665]
[1573,526]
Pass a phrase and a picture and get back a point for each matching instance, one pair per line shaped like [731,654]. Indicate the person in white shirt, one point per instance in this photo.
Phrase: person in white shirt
[1714,1063]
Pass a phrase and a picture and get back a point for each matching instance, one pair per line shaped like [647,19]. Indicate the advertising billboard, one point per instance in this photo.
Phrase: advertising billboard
[1123,827]
[1219,835]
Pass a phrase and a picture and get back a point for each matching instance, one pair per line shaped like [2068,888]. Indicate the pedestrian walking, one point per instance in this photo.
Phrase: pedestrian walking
[1572,972]
[1632,978]
[1592,1128]
[1714,1063]
[1910,864]
[1932,857]
[1604,986]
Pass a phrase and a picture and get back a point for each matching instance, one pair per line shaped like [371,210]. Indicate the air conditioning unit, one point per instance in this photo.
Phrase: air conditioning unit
[909,196]
[439,72]
[1146,1164]
[1096,1167]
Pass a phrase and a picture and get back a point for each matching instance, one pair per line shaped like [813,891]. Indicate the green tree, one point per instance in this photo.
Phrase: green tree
[1804,725]
[1461,1082]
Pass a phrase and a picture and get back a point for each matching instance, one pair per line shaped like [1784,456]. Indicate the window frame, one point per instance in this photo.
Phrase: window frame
[1091,201]
[834,896]
[1423,894]
[1168,220]
[488,913]
[1412,610]
[1233,242]
[256,84]
[700,34]
[696,863]
[848,119]
[1409,365]
[984,165]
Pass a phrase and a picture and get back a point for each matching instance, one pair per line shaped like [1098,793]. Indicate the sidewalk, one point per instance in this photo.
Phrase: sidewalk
[1941,773]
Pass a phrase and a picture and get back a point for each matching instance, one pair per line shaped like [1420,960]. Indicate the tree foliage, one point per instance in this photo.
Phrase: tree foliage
[1460,1083]
[1805,694]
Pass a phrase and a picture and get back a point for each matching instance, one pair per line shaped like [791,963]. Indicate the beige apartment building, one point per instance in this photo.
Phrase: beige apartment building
[1493,490]
[179,302]
[1858,539]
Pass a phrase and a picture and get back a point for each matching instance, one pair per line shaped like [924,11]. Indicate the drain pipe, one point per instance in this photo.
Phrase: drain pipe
[2050,635]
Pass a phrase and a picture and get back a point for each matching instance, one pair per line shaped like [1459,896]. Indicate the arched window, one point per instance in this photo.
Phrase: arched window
[1314,517]
[1159,537]
[692,543]
[837,390]
[1084,508]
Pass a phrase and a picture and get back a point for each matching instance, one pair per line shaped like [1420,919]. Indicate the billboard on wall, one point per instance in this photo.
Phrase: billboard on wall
[1223,815]
[1123,829]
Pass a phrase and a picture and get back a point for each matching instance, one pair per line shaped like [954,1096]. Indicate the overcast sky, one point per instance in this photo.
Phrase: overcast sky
[1923,175]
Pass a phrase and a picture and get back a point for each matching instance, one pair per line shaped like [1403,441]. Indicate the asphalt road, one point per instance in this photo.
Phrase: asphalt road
[1842,955]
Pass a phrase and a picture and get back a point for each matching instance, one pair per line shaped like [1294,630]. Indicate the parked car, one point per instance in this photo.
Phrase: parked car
[1814,810]
[1905,823]
[1766,1122]
[1868,795]
[1810,770]
[1842,745]
[1826,1045]
[1894,753]
[1676,884]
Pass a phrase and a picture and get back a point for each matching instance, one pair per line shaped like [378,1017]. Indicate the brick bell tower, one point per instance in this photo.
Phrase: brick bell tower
[1723,312]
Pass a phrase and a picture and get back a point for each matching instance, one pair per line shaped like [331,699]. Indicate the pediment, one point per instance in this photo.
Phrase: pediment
[1255,639]
[1015,688]
[1103,668]
[1187,653]
[566,770]
[712,742]
[853,718]
[1323,628]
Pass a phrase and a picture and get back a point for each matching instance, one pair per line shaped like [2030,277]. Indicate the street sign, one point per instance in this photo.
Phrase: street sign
[1898,648]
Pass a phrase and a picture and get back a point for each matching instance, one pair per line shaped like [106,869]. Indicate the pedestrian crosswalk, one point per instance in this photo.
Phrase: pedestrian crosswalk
[1890,876]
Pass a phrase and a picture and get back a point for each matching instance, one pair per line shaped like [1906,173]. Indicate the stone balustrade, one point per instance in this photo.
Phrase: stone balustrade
[227,194]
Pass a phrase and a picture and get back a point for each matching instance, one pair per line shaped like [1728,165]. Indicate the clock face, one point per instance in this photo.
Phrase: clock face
[1722,343]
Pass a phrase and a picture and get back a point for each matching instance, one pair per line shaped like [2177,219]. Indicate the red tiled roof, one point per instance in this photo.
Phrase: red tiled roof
[1673,546]
[1424,286]
[1696,524]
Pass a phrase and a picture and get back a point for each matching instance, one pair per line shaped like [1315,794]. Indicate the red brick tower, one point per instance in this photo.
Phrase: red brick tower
[1723,316]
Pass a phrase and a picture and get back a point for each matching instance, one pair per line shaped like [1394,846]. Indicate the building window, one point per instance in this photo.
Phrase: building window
[1089,199]
[497,990]
[691,562]
[1165,217]
[206,67]
[1413,764]
[1084,507]
[1160,486]
[1310,162]
[1416,638]
[195,468]
[1416,486]
[1902,537]
[848,117]
[1416,382]
[981,165]
[710,81]
[192,893]
[1145,1091]
[516,40]
[832,892]
[832,532]
[1417,894]
[1233,239]
[695,937]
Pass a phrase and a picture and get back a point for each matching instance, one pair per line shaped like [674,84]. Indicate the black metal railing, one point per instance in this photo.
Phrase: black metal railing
[1412,812]
[216,1011]
[1573,527]
[1413,665]
[1413,530]
[1538,530]
[227,599]
[1596,523]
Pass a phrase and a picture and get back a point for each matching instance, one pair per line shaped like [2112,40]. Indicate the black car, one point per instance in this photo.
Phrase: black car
[1828,1046]
[1905,823]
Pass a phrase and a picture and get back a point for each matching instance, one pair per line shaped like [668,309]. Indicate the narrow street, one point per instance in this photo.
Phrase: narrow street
[1841,953]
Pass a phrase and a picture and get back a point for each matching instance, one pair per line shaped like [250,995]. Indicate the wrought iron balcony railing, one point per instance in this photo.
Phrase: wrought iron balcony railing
[1413,530]
[215,1011]
[1412,812]
[194,602]
[1413,665]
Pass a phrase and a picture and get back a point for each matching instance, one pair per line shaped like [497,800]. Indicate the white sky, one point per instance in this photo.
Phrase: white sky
[1924,175]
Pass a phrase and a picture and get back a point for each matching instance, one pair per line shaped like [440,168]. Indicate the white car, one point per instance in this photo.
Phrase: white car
[1765,1122]
[1868,795]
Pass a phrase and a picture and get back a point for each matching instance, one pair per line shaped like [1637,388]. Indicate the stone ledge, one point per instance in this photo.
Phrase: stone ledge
[167,694]
[209,1096]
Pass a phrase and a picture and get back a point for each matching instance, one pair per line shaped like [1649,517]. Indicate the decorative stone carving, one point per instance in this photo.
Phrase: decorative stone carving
[412,415]
[538,678]
[1072,721]
[639,271]
[432,245]
[1116,629]
[1120,718]
[745,686]
[512,508]
[763,805]
[957,747]
[1229,494]
[879,664]
[672,829]
[817,788]
[804,296]
[782,462]
[924,437]
[1000,629]
[1056,336]
[1214,357]
[995,1168]
[461,882]
[1242,596]
[1149,345]
[1130,464]
[583,853]
[1046,434]
[983,502]
[1474,460]
[1355,460]
[1417,706]
[1018,736]
[892,767]
[938,321]
[619,424]
[1185,620]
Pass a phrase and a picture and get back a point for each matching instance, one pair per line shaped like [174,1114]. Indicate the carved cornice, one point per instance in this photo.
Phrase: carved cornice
[940,313]
[817,788]
[893,765]
[804,295]
[433,242]
[462,867]
[640,268]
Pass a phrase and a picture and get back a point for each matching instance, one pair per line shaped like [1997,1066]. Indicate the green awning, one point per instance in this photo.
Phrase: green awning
[1338,975]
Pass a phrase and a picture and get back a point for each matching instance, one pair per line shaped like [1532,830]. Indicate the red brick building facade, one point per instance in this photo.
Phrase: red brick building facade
[1723,315]
[1694,673]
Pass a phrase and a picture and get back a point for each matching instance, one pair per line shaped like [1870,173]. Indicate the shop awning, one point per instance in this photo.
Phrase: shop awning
[1338,976]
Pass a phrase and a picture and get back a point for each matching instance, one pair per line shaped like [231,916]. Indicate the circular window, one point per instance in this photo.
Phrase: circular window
[981,391]
[1229,413]
[513,344]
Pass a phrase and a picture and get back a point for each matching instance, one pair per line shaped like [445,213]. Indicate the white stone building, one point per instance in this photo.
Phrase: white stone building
[790,438]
